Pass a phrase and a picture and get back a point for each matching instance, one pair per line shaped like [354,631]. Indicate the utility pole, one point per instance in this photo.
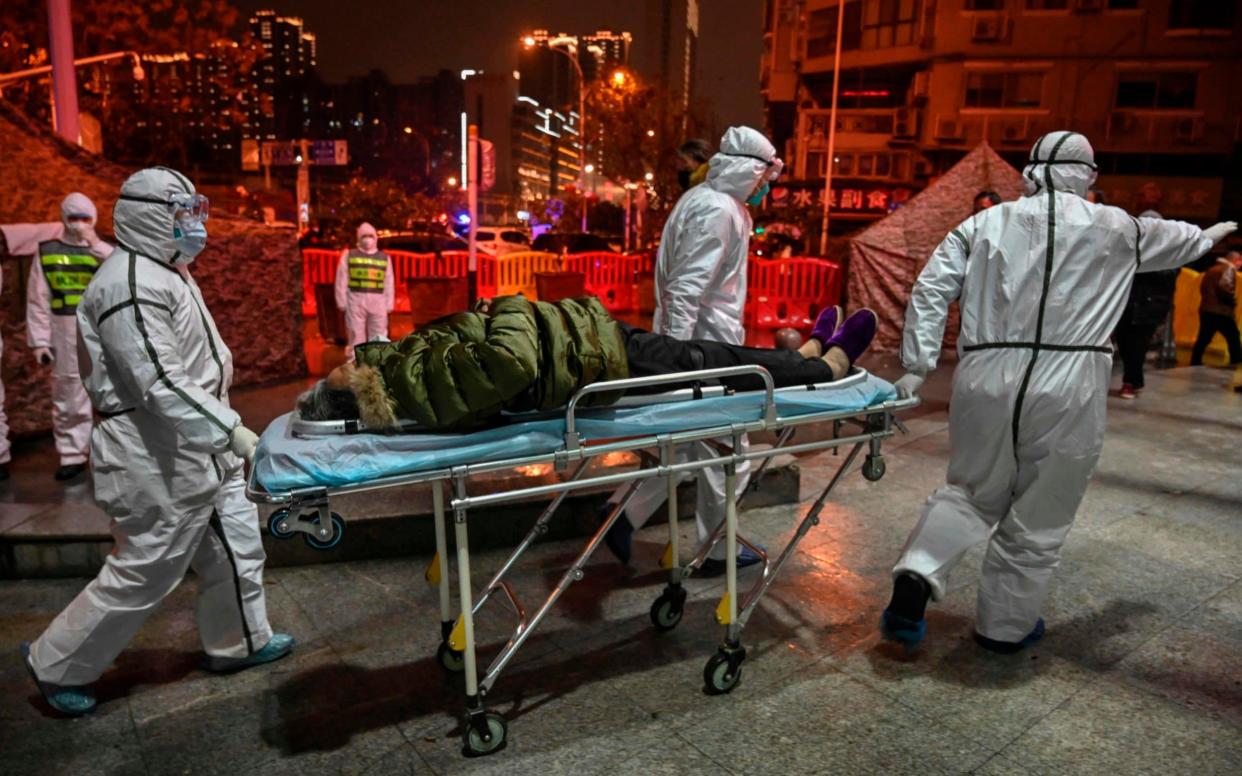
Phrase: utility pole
[832,131]
[64,78]
[472,200]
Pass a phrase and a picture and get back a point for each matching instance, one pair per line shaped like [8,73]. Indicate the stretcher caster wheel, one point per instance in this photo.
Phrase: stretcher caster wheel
[278,525]
[496,731]
[873,468]
[450,659]
[338,530]
[666,610]
[722,673]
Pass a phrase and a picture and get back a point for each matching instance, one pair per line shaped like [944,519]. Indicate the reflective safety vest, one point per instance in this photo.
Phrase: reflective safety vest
[68,269]
[367,272]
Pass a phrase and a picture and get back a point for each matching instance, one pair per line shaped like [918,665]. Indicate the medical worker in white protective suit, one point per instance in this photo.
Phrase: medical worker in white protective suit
[59,274]
[166,456]
[364,289]
[1041,283]
[700,287]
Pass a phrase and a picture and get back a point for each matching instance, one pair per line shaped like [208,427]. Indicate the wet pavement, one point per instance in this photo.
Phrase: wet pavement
[1139,671]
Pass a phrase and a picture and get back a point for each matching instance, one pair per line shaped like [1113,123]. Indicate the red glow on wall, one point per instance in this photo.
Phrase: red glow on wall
[866,93]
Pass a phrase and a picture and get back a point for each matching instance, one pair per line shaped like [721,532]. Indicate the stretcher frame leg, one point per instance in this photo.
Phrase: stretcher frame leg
[446,603]
[668,607]
[573,574]
[812,519]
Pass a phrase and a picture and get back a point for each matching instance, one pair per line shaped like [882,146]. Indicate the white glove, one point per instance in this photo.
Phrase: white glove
[908,386]
[243,442]
[1218,232]
[44,356]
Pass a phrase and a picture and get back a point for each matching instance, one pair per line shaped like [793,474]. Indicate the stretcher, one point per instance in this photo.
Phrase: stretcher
[301,466]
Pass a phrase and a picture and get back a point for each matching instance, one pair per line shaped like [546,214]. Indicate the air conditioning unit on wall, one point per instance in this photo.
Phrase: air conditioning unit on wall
[905,124]
[921,85]
[992,28]
[1188,130]
[949,129]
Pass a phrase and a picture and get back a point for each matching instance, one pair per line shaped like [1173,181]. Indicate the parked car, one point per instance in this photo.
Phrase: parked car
[571,242]
[499,240]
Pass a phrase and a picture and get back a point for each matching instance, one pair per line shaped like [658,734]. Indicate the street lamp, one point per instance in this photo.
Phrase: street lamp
[529,42]
[452,181]
[589,168]
[618,78]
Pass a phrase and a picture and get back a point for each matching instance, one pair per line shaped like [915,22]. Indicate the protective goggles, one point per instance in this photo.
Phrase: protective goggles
[196,206]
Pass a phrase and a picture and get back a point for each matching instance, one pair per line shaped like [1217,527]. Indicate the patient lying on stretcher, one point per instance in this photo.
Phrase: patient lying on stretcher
[515,355]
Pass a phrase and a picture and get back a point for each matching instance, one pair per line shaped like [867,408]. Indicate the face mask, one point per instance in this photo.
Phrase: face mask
[757,197]
[367,243]
[683,179]
[78,230]
[190,236]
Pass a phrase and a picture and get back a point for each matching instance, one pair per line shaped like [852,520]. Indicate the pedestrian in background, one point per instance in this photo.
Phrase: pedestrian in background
[364,289]
[984,200]
[1218,304]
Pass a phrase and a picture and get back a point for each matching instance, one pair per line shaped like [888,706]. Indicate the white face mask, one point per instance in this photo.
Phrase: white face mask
[366,243]
[190,235]
[79,230]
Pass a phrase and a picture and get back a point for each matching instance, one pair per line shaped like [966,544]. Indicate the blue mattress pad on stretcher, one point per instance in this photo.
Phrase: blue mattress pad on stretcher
[286,462]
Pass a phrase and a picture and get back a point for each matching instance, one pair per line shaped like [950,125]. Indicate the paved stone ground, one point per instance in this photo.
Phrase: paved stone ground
[1141,670]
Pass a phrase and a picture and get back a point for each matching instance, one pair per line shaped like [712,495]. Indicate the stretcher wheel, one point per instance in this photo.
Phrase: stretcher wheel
[450,659]
[338,530]
[278,525]
[666,610]
[720,675]
[665,614]
[497,730]
[873,468]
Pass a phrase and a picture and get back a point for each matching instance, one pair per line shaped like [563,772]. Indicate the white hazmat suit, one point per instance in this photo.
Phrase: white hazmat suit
[162,456]
[59,274]
[700,286]
[1041,283]
[364,289]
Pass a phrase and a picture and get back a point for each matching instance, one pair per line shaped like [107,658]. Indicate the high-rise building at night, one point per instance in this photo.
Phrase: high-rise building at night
[672,51]
[924,82]
[602,51]
[280,106]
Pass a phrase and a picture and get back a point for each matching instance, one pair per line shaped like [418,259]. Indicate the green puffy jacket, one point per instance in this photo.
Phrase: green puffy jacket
[461,370]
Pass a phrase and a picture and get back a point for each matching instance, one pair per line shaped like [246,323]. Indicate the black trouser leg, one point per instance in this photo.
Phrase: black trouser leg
[1133,341]
[1229,328]
[1209,324]
[655,354]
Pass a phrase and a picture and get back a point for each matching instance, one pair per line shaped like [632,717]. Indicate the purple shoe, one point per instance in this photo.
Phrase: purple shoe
[826,324]
[855,334]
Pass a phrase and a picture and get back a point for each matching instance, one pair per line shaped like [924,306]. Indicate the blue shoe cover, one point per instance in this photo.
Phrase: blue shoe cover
[74,701]
[894,627]
[748,557]
[280,645]
[1011,647]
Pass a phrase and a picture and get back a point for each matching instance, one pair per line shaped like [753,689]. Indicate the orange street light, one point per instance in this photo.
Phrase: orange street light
[452,181]
[528,41]
[651,133]
[618,78]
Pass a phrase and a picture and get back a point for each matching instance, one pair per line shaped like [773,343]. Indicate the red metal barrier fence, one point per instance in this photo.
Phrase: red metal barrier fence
[780,292]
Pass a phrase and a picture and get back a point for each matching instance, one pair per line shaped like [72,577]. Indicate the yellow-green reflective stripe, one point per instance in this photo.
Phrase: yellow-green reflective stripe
[368,261]
[367,274]
[63,259]
[69,281]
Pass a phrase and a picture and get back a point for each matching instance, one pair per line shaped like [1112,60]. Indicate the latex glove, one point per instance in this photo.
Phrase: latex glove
[909,384]
[1218,232]
[243,442]
[44,356]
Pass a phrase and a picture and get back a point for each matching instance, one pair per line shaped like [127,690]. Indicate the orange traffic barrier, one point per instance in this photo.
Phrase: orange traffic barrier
[790,292]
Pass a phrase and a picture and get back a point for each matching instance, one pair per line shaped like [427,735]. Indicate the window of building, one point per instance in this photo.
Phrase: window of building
[985,5]
[1201,15]
[1168,91]
[821,32]
[1047,5]
[887,23]
[1004,90]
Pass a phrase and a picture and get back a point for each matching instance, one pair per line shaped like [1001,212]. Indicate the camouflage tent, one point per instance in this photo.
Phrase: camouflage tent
[251,275]
[886,258]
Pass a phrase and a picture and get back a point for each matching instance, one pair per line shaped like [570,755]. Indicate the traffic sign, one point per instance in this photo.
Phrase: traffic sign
[277,153]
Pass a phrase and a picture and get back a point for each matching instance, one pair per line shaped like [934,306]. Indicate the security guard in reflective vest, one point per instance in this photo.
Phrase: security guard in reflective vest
[364,289]
[60,272]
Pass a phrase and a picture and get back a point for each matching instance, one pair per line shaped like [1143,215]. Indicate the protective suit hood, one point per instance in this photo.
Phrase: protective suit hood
[1061,161]
[147,226]
[745,158]
[77,204]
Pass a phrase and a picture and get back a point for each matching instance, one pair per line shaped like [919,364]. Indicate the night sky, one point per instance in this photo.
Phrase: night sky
[410,38]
